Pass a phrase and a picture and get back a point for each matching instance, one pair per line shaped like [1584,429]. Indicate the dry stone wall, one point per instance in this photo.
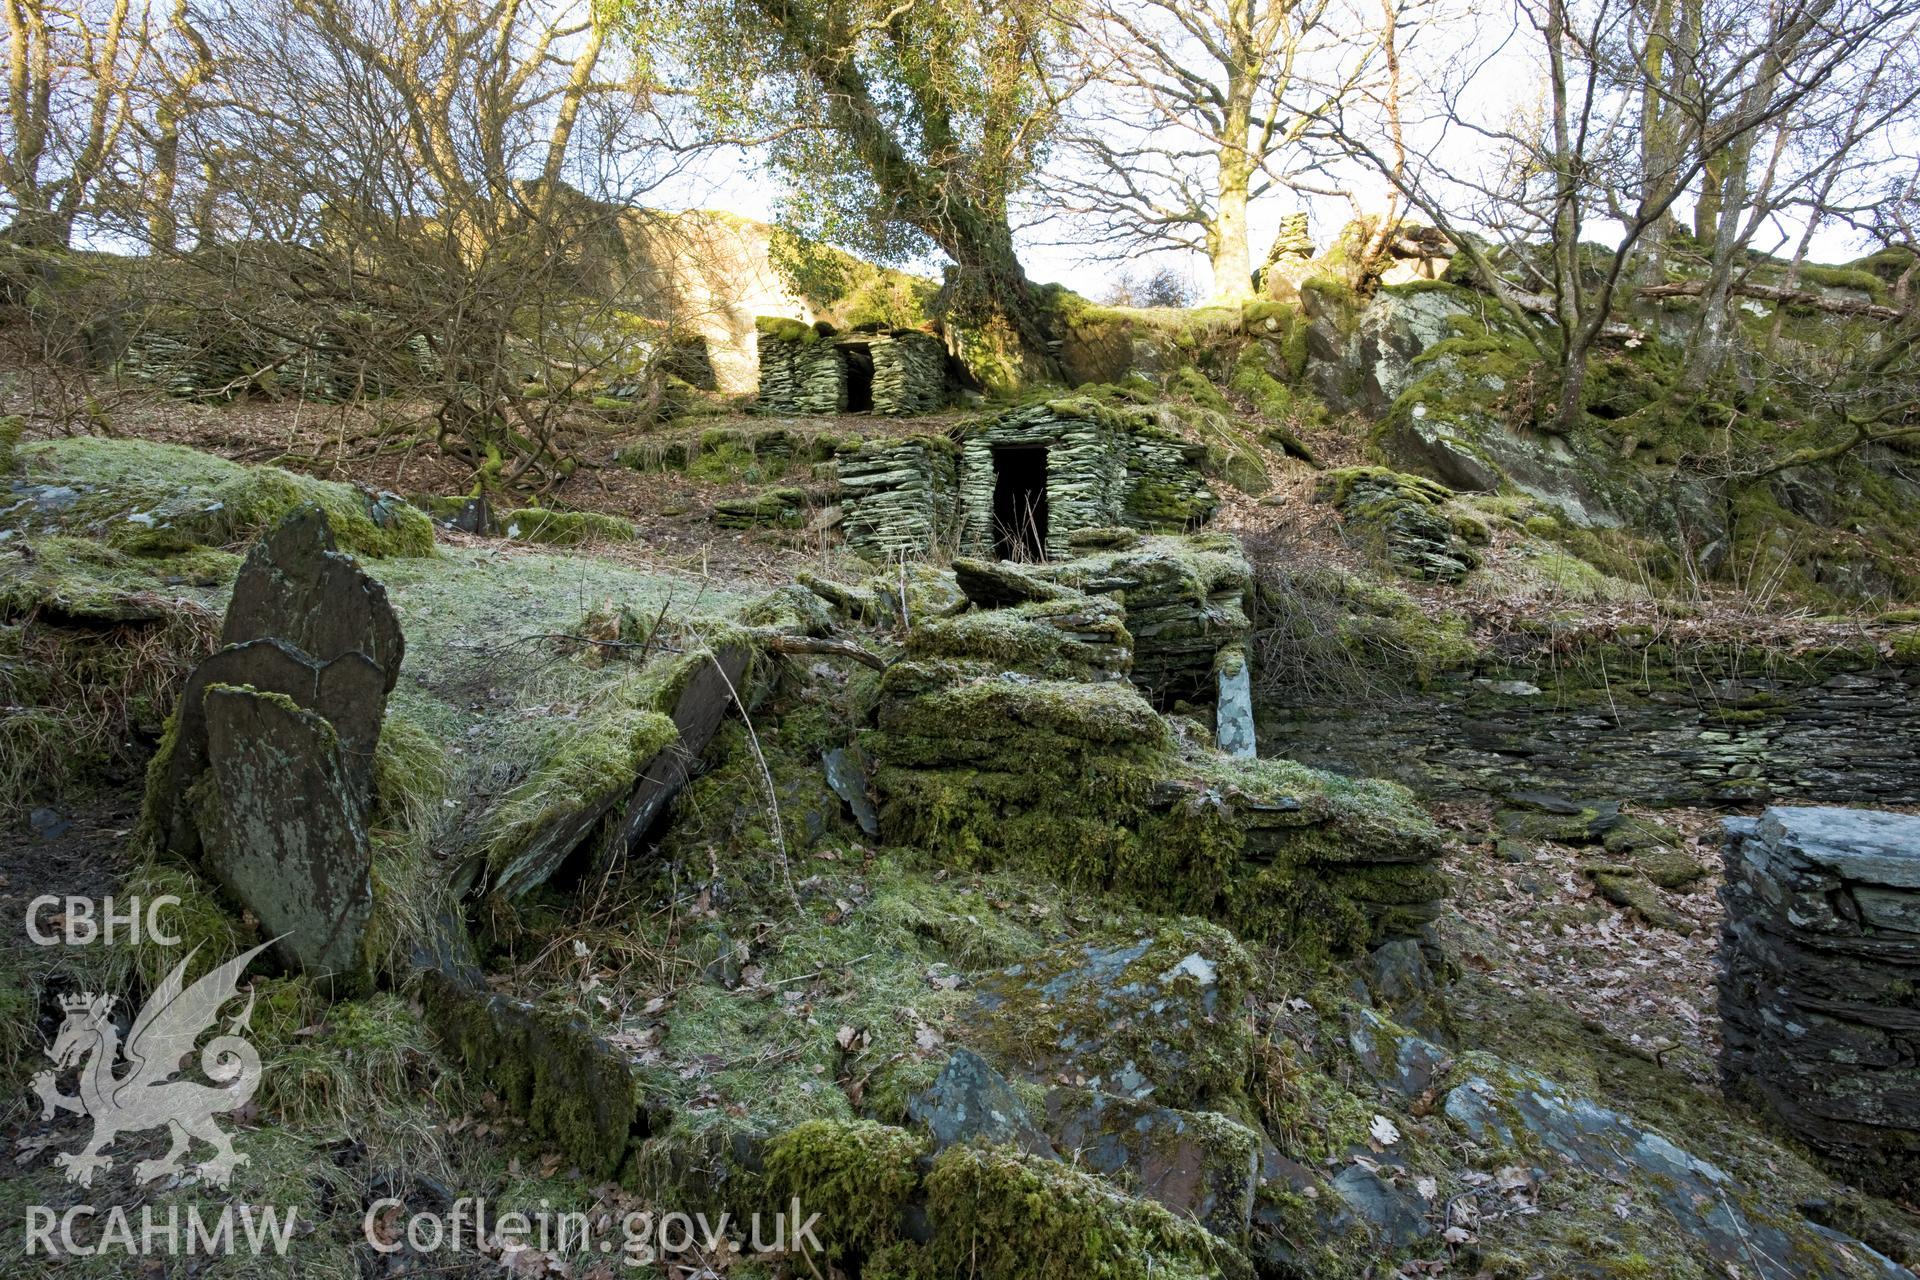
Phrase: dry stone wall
[1104,468]
[806,371]
[909,373]
[1703,727]
[897,496]
[1820,964]
[799,372]
[1086,473]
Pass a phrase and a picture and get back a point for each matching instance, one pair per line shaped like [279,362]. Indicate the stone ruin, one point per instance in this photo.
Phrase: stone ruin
[1820,959]
[812,369]
[267,777]
[1021,485]
[1026,727]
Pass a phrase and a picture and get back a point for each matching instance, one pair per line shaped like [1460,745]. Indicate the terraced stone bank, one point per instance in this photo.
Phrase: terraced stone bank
[1656,725]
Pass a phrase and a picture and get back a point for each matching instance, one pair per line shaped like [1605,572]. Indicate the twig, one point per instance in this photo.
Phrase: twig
[826,647]
[641,645]
[808,977]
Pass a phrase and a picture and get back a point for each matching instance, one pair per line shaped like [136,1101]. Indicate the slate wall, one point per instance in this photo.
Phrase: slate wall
[1665,729]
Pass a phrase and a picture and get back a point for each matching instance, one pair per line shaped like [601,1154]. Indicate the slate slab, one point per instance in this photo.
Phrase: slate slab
[281,831]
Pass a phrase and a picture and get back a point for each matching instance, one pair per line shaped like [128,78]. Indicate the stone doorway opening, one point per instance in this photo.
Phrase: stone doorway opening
[1020,502]
[859,358]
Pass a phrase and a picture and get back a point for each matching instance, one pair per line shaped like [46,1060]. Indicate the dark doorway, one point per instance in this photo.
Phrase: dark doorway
[859,359]
[1020,502]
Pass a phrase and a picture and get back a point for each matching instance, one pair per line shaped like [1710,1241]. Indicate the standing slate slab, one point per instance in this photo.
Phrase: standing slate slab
[298,587]
[282,831]
[1233,709]
[704,702]
[348,693]
[266,779]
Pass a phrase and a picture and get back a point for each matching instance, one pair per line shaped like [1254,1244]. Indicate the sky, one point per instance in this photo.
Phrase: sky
[1504,82]
[733,182]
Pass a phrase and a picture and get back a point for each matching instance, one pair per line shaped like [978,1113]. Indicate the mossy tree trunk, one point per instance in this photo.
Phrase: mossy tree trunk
[942,110]
[1227,234]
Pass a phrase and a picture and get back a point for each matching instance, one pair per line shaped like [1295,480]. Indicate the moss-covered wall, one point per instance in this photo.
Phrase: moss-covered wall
[1645,723]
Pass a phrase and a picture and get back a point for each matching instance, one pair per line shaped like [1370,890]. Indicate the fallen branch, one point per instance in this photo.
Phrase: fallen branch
[1541,304]
[1774,293]
[812,645]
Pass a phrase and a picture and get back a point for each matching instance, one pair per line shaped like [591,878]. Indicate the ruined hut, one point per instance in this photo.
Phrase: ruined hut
[814,369]
[1019,485]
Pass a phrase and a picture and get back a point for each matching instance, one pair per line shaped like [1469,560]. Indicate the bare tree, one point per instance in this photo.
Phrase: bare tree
[1729,103]
[71,69]
[1198,108]
[430,200]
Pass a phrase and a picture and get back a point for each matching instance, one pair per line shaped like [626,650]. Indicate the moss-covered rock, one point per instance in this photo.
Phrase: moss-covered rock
[589,768]
[1155,1013]
[156,499]
[571,1086]
[563,528]
[1004,1214]
[1408,515]
[1083,782]
[860,1176]
[11,426]
[1080,637]
[780,505]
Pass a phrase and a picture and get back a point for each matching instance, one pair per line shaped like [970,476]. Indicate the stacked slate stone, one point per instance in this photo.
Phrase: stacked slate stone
[1165,489]
[777,391]
[1420,540]
[1820,966]
[800,370]
[1024,618]
[191,357]
[780,505]
[1293,240]
[897,496]
[224,364]
[1186,600]
[909,373]
[820,376]
[804,370]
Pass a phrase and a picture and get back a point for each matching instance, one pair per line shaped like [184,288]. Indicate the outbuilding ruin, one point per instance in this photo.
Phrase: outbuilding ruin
[813,369]
[1020,485]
